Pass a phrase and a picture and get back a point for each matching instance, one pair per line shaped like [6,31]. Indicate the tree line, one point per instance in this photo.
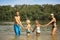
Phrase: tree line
[32,12]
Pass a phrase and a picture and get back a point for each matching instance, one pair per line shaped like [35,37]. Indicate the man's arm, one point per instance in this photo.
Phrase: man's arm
[21,23]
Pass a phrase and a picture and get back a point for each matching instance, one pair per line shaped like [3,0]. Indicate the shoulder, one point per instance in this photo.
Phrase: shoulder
[29,25]
[14,16]
[54,18]
[19,16]
[36,25]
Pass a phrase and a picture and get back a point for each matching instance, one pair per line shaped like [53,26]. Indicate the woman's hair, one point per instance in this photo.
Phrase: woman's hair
[53,14]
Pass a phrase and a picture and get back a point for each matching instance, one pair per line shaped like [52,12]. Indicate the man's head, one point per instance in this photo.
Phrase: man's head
[17,13]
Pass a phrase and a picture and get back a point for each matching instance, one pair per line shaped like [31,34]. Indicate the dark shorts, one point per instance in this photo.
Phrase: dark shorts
[28,31]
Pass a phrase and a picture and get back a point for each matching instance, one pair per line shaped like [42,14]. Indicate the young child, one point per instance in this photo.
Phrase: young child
[37,27]
[28,28]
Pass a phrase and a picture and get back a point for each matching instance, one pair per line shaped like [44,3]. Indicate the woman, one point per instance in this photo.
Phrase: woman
[53,23]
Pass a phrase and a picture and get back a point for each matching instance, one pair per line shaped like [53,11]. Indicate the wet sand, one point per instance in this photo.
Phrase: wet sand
[7,33]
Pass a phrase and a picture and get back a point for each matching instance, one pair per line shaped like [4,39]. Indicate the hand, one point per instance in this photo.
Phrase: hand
[43,25]
[32,31]
[23,28]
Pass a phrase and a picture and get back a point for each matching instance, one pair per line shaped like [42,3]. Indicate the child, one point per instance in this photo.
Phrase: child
[28,28]
[37,27]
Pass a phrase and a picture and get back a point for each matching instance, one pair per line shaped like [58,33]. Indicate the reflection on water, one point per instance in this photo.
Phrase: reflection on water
[28,37]
[7,33]
[54,37]
[37,36]
[33,37]
[15,38]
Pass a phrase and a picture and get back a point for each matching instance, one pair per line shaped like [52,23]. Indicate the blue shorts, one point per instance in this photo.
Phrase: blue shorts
[17,29]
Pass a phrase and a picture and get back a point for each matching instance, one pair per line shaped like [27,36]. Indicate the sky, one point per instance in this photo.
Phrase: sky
[31,2]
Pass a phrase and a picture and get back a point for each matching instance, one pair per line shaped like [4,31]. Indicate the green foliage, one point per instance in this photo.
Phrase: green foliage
[32,12]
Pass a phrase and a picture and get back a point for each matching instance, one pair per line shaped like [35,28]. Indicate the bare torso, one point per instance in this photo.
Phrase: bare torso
[16,18]
[28,27]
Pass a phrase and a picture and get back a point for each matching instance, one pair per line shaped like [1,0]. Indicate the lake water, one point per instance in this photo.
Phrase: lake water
[7,33]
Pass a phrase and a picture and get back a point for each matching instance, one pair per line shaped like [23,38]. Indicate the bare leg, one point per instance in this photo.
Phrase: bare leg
[54,37]
[37,36]
[28,36]
[54,31]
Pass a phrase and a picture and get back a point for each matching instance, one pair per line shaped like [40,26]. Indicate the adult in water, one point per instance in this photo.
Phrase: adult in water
[17,24]
[53,23]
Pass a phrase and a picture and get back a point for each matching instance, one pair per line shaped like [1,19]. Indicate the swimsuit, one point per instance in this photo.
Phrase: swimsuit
[53,25]
[28,31]
[38,29]
[17,29]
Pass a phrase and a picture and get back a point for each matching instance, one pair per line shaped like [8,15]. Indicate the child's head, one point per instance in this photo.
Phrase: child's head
[36,22]
[28,21]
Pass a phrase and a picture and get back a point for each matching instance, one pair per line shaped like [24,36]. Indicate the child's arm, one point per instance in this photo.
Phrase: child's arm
[25,28]
[34,29]
[31,28]
[42,25]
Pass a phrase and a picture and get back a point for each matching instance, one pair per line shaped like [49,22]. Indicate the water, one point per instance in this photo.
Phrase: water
[7,33]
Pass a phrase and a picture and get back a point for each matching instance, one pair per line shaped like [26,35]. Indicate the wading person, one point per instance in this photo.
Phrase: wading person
[17,24]
[28,28]
[53,23]
[37,27]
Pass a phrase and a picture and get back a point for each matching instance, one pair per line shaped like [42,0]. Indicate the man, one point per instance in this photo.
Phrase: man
[17,24]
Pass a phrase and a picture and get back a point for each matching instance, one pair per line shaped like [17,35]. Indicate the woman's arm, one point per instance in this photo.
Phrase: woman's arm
[50,22]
